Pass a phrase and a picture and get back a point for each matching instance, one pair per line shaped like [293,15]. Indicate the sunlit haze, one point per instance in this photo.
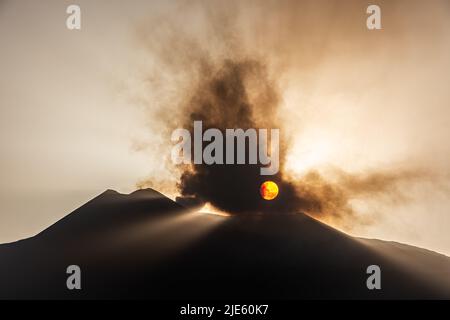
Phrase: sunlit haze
[79,110]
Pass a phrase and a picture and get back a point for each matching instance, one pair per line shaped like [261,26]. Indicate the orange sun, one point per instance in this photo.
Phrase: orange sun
[269,190]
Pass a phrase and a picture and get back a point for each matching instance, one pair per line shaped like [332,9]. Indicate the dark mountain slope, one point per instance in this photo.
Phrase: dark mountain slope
[144,245]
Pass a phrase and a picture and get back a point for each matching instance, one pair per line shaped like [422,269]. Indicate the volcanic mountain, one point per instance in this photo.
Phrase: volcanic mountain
[144,245]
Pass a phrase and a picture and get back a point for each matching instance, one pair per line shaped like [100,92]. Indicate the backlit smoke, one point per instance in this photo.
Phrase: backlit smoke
[215,77]
[239,93]
[234,94]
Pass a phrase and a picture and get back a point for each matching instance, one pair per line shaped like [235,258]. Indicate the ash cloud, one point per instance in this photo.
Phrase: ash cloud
[240,94]
[330,198]
[214,72]
[235,93]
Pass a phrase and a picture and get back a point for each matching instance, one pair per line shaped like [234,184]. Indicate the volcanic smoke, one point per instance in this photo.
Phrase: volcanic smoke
[226,85]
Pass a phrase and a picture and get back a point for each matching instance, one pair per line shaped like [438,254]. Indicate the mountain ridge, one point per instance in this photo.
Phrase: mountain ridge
[127,243]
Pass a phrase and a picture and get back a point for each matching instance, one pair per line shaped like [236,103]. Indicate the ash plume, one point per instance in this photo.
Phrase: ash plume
[212,74]
[239,93]
[234,94]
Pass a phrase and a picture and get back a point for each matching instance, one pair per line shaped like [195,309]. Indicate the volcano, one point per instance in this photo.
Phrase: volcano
[146,246]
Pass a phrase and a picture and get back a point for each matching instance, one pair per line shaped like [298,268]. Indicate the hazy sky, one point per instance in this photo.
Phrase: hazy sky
[75,105]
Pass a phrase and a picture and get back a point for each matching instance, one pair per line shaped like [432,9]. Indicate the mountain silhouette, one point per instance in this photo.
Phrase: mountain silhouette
[146,246]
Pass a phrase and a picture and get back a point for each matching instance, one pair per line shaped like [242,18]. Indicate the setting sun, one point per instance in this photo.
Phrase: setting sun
[269,190]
